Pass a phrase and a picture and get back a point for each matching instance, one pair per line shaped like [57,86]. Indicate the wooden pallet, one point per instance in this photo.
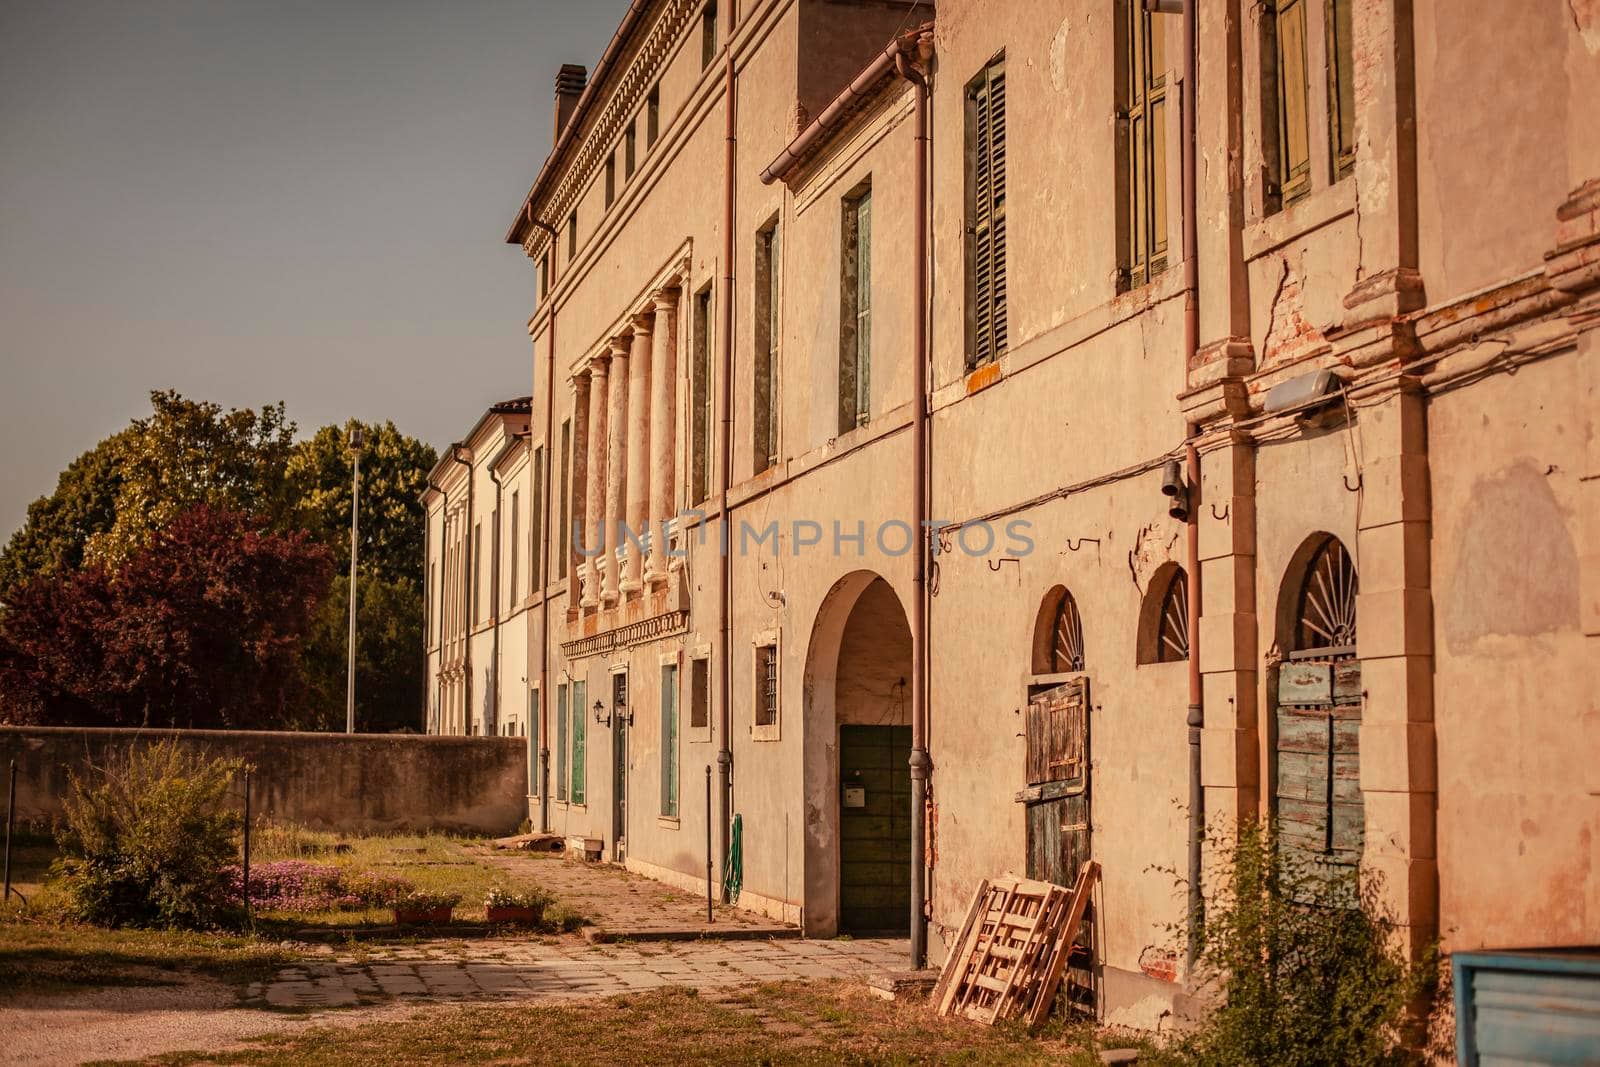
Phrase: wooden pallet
[1013,948]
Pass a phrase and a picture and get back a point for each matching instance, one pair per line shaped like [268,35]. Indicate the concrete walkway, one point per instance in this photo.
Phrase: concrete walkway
[442,971]
[622,904]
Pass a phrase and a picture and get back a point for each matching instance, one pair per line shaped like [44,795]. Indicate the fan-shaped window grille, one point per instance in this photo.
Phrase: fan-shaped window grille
[1326,613]
[1066,636]
[1172,638]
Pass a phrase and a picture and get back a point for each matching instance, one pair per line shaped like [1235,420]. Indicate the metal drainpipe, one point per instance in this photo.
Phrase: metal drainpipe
[466,614]
[433,611]
[544,525]
[1196,717]
[725,442]
[920,763]
[493,721]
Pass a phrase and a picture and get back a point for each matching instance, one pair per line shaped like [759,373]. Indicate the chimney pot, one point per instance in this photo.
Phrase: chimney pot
[570,82]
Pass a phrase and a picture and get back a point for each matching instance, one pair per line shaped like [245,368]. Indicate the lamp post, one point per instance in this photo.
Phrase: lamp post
[355,514]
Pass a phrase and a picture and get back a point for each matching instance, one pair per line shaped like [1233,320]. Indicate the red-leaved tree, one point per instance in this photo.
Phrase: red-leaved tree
[202,627]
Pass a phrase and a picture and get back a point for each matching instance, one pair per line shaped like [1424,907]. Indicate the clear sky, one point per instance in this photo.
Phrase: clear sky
[252,202]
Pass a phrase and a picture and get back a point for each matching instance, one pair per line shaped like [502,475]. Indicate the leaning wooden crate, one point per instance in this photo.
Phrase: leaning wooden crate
[1008,961]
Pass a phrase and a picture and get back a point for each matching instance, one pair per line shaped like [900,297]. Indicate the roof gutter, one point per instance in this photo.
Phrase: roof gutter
[608,59]
[842,106]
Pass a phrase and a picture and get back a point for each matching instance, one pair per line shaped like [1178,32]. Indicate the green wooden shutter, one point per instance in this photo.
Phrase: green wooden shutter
[669,740]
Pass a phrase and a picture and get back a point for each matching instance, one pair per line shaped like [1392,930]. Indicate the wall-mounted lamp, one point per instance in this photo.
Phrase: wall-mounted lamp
[601,716]
[1176,488]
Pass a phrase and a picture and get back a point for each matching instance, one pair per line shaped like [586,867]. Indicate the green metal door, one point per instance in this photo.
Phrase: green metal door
[875,829]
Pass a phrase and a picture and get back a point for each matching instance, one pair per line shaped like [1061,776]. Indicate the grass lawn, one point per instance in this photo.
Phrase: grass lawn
[790,1023]
[40,957]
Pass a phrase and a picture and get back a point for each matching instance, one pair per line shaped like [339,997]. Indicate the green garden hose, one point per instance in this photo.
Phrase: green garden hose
[733,869]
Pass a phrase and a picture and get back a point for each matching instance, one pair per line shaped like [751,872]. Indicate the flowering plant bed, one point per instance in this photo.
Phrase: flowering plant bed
[304,887]
[503,905]
[421,907]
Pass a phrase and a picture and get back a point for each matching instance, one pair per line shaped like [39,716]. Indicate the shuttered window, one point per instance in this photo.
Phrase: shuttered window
[701,419]
[563,716]
[514,550]
[580,731]
[1341,88]
[986,215]
[1142,70]
[768,259]
[1293,175]
[855,311]
[536,525]
[669,740]
[565,497]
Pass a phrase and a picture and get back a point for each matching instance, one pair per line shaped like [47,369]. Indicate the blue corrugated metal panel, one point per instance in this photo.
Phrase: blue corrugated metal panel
[1527,1008]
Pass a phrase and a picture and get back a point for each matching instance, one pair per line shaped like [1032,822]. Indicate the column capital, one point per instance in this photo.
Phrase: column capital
[620,345]
[599,366]
[643,321]
[664,300]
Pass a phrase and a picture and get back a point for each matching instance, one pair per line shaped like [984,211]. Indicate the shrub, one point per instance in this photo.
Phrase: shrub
[302,886]
[147,841]
[1303,962]
[502,897]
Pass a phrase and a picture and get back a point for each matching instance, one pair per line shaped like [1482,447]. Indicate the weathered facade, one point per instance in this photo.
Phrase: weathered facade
[1265,449]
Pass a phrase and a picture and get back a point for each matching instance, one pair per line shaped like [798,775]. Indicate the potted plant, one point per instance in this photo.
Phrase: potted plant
[526,907]
[420,906]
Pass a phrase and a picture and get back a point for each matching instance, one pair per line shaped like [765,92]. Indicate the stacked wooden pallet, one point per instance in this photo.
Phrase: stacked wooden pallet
[1013,948]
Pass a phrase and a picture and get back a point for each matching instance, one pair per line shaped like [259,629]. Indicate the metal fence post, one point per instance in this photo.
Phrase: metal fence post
[709,916]
[247,841]
[11,821]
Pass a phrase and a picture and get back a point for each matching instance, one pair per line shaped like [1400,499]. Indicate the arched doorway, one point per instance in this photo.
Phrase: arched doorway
[858,750]
[1317,708]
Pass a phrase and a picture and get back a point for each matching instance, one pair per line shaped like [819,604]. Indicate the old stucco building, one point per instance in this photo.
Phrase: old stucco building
[1199,398]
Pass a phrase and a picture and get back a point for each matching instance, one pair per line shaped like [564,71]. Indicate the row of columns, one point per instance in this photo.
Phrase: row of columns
[630,394]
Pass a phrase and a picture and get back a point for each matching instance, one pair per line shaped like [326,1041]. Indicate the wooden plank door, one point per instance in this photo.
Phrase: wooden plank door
[1057,796]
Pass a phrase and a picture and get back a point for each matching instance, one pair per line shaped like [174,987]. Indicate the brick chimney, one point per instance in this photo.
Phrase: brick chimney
[570,81]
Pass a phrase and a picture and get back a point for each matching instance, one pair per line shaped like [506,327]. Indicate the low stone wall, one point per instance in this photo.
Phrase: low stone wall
[350,783]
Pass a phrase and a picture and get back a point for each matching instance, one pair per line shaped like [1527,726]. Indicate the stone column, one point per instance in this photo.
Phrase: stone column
[577,502]
[663,429]
[639,444]
[615,430]
[597,463]
[1395,644]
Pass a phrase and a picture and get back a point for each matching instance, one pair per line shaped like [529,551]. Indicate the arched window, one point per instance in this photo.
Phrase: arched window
[1164,619]
[1325,612]
[1058,634]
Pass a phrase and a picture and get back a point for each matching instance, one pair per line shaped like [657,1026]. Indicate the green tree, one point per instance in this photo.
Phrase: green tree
[394,472]
[388,656]
[59,526]
[188,453]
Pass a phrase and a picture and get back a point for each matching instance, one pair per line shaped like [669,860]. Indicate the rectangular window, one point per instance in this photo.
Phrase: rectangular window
[531,731]
[477,573]
[1341,88]
[700,693]
[536,547]
[432,611]
[669,740]
[1142,160]
[766,685]
[652,116]
[1285,51]
[514,551]
[700,390]
[580,734]
[563,729]
[986,318]
[611,178]
[630,150]
[855,310]
[565,498]
[768,260]
[572,235]
[708,34]
[544,275]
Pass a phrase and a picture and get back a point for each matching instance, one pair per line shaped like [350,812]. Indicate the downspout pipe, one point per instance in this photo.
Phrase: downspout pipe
[492,724]
[725,443]
[434,611]
[543,769]
[471,593]
[921,765]
[1195,719]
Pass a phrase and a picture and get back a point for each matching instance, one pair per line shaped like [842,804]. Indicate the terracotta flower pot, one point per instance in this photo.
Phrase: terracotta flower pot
[505,913]
[423,916]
